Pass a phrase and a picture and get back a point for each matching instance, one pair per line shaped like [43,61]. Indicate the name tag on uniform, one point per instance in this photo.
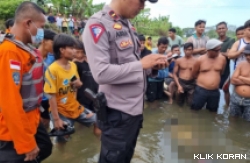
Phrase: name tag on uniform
[121,33]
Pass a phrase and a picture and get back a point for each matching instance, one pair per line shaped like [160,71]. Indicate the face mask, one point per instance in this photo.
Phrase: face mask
[38,37]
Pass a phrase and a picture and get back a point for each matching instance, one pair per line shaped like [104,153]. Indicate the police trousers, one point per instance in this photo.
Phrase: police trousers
[8,153]
[119,136]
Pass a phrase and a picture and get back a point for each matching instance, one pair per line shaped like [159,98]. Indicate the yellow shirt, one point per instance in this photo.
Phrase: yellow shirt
[57,81]
[149,47]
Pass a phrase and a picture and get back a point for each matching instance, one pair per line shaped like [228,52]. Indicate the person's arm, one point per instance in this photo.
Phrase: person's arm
[175,73]
[196,69]
[246,80]
[99,60]
[11,105]
[196,51]
[235,80]
[234,52]
[50,90]
[224,65]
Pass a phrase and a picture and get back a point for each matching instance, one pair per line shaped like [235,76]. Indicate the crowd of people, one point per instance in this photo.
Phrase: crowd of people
[66,24]
[207,66]
[49,78]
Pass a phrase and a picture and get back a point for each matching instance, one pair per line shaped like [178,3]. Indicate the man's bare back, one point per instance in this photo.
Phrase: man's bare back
[208,71]
[185,67]
[241,79]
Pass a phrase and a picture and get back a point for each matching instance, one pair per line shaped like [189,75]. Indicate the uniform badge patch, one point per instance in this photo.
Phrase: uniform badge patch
[15,65]
[125,44]
[117,26]
[96,31]
[16,77]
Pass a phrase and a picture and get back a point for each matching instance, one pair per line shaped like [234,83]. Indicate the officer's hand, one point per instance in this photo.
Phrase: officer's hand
[58,123]
[30,156]
[154,61]
[76,83]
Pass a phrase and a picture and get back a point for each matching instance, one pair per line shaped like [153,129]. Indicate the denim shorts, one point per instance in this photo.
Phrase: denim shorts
[202,96]
[240,106]
[82,118]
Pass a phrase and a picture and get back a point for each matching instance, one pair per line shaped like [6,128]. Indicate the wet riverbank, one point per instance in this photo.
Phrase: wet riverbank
[169,134]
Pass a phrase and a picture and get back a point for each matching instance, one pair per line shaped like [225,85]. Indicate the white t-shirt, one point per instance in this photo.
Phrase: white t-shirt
[71,22]
[59,21]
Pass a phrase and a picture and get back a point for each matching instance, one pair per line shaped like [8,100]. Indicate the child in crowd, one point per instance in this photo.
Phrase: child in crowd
[85,76]
[46,50]
[61,82]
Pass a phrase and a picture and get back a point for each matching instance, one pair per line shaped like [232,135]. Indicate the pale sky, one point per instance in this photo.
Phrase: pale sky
[184,13]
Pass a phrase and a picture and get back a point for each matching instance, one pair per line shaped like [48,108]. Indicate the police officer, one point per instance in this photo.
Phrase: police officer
[113,52]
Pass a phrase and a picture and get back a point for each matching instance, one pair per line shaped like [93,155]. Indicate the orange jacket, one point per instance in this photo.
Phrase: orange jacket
[15,124]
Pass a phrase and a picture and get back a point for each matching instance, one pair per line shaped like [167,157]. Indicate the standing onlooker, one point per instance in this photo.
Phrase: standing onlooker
[239,32]
[85,75]
[198,39]
[169,81]
[59,20]
[22,137]
[183,76]
[207,71]
[144,50]
[51,18]
[240,99]
[64,24]
[71,24]
[221,29]
[174,39]
[46,50]
[155,85]
[9,24]
[238,47]
[148,43]
[61,88]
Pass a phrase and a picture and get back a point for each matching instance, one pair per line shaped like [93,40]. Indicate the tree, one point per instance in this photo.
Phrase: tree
[78,8]
[8,8]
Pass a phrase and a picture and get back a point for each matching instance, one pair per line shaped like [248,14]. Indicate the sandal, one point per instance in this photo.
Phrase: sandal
[68,130]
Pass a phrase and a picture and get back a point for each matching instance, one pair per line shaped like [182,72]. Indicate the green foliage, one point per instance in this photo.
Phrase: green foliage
[154,27]
[212,34]
[8,8]
[78,8]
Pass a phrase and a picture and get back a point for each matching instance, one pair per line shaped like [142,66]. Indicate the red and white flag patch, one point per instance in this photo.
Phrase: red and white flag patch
[15,65]
[96,31]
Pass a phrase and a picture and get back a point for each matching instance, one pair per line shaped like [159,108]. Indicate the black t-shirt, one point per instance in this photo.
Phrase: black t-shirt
[145,52]
[227,44]
[88,82]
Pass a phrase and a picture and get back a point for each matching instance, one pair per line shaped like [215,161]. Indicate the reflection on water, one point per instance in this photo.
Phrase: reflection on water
[169,134]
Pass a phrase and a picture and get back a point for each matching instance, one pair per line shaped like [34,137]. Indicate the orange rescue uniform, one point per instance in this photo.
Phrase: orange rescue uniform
[15,124]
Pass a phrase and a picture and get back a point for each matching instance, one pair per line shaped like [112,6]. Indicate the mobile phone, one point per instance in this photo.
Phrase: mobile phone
[73,78]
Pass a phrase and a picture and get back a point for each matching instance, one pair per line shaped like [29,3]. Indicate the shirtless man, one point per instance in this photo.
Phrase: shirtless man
[208,70]
[183,75]
[240,100]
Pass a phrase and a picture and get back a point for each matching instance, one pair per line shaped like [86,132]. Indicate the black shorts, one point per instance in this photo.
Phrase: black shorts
[45,113]
[202,96]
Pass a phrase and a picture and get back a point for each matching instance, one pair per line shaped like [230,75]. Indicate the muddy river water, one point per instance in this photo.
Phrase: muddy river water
[170,134]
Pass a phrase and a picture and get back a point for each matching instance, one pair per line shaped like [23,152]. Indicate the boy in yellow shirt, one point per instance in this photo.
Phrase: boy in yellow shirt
[61,89]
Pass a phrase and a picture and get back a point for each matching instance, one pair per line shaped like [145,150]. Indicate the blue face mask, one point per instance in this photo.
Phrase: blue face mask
[38,38]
